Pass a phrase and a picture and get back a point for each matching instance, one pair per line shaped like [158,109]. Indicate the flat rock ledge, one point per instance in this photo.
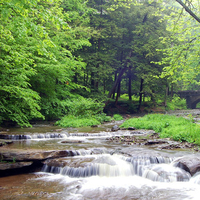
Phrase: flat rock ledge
[35,155]
[6,166]
[21,161]
[5,142]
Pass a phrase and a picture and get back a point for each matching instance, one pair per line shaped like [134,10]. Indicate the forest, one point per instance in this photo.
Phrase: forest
[70,59]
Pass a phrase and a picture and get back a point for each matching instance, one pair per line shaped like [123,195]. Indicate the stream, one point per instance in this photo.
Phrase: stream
[97,168]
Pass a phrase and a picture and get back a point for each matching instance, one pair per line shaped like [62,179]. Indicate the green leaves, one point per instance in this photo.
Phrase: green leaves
[181,63]
[36,61]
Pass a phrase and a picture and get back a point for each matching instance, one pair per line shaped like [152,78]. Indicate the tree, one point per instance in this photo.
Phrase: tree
[181,56]
[139,30]
[37,64]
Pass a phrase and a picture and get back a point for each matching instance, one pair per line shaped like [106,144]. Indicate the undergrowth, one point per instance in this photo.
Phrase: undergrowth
[169,126]
[117,117]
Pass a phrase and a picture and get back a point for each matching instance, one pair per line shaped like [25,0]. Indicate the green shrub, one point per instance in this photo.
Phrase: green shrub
[117,117]
[176,103]
[169,126]
[72,121]
[102,118]
[83,112]
[83,107]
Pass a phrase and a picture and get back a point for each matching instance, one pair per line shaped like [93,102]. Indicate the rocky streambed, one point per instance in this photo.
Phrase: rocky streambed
[102,162]
[151,139]
[15,161]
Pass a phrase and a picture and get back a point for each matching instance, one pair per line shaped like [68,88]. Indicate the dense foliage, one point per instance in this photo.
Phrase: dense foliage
[64,57]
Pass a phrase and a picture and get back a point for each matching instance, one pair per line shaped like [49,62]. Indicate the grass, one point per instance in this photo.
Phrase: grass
[169,126]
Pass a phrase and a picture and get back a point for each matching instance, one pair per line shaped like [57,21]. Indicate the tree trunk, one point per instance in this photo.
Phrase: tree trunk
[117,81]
[113,97]
[96,86]
[172,90]
[129,84]
[118,92]
[104,86]
[166,94]
[92,86]
[141,88]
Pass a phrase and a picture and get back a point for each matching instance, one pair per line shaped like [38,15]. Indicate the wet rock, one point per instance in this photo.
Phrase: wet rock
[6,166]
[94,126]
[115,128]
[71,162]
[137,132]
[171,146]
[189,164]
[3,130]
[131,128]
[153,142]
[36,156]
[58,130]
[166,173]
[71,141]
[5,142]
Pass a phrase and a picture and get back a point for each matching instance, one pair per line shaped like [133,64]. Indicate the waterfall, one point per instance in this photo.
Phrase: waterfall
[155,168]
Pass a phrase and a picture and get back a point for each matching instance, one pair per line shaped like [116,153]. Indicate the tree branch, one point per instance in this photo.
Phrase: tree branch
[188,10]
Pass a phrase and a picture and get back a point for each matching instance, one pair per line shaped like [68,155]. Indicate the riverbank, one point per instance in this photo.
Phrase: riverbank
[28,160]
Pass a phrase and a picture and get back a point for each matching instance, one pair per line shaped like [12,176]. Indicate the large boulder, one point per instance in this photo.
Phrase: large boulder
[190,164]
[115,128]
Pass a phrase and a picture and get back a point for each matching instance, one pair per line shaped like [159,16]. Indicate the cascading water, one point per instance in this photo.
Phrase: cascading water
[118,177]
[98,169]
[153,168]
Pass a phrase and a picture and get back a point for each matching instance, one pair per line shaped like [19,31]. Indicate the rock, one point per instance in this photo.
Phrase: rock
[115,128]
[6,166]
[131,128]
[137,133]
[71,141]
[152,142]
[166,173]
[58,130]
[5,130]
[94,126]
[4,142]
[72,162]
[189,164]
[36,156]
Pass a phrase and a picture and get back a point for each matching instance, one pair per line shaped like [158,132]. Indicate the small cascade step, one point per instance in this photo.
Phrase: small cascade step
[34,136]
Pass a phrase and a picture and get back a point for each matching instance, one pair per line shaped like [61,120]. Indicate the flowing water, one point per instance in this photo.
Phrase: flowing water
[97,168]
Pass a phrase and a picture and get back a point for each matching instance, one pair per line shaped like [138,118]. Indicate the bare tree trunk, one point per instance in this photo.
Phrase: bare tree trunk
[118,92]
[113,97]
[141,88]
[117,81]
